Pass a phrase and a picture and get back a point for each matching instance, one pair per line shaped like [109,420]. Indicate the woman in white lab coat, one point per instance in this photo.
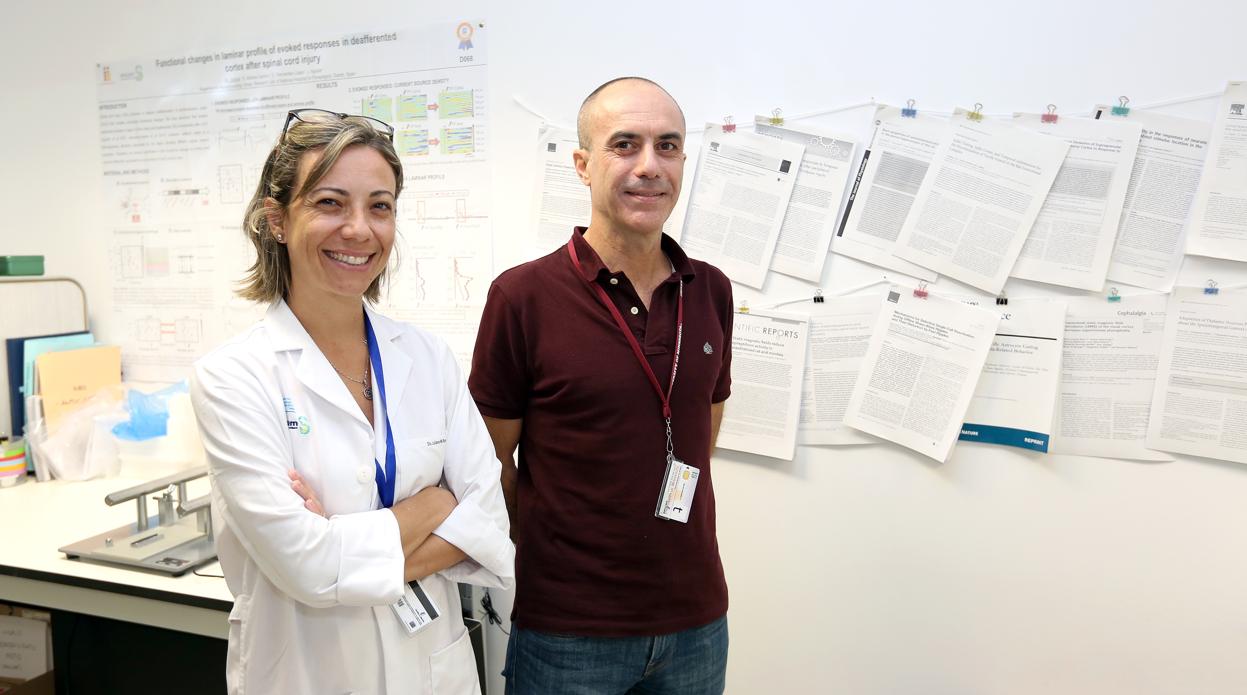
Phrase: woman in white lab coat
[347,457]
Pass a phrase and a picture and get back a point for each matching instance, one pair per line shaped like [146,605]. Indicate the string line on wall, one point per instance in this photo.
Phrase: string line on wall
[522,103]
[809,114]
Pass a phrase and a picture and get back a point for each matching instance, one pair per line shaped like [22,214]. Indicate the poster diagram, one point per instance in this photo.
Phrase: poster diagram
[184,138]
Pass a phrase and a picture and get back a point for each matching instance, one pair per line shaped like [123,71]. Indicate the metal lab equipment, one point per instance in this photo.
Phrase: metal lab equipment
[175,540]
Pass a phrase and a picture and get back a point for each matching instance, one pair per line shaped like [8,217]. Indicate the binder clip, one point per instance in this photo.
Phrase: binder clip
[1002,300]
[1212,288]
[1113,296]
[728,125]
[1049,117]
[977,114]
[909,111]
[777,117]
[818,296]
[1121,109]
[921,290]
[744,307]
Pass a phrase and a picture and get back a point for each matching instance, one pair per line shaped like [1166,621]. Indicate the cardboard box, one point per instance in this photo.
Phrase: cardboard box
[43,685]
[25,649]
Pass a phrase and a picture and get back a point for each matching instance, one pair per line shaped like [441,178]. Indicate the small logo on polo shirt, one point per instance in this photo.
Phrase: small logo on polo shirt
[707,349]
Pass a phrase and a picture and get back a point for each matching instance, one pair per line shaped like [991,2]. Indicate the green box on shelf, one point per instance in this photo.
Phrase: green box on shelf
[21,265]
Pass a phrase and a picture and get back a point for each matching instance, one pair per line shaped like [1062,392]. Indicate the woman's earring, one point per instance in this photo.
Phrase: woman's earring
[280,239]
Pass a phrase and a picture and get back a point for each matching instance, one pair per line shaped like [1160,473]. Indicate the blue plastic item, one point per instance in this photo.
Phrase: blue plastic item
[149,413]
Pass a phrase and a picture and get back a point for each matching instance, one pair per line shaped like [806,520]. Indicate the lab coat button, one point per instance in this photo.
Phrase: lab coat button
[363,475]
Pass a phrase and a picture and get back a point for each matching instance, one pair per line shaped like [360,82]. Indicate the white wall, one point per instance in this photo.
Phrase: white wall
[859,570]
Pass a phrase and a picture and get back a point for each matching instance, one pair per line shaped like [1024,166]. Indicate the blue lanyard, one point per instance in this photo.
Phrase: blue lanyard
[385,478]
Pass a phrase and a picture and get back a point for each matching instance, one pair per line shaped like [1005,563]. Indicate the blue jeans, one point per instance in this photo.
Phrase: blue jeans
[692,662]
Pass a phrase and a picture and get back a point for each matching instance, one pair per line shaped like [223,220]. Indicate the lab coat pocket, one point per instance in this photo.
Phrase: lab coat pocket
[453,668]
[236,654]
[420,461]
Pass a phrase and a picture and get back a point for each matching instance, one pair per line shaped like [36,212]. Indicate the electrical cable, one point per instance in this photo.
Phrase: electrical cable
[491,615]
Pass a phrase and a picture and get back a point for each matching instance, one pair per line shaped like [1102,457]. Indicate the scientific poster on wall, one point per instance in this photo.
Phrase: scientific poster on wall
[1162,188]
[560,199]
[919,372]
[1015,397]
[976,205]
[840,329]
[1072,239]
[1108,369]
[183,137]
[768,359]
[1199,403]
[817,193]
[888,179]
[1219,218]
[737,201]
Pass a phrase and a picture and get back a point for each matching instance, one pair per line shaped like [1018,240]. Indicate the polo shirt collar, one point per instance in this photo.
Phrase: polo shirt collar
[592,267]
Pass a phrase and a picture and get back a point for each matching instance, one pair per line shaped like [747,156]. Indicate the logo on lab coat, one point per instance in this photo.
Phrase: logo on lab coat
[294,421]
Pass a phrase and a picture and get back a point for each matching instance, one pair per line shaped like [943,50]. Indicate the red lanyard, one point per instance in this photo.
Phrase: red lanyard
[636,347]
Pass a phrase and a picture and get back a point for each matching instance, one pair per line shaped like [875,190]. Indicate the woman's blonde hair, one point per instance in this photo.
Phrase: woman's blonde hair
[268,279]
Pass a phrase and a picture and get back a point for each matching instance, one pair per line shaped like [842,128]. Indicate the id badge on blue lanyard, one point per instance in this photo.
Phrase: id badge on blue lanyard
[385,476]
[415,610]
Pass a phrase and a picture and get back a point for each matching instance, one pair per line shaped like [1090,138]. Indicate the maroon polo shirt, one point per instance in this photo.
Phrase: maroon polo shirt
[591,557]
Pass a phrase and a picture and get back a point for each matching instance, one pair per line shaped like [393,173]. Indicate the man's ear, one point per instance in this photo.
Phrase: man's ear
[580,158]
[275,214]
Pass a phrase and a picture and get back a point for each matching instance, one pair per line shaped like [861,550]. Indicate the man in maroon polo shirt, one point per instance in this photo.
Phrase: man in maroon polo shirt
[607,363]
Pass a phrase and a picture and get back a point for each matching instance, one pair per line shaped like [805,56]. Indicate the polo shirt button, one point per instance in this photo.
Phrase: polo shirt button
[614,281]
[364,474]
[635,311]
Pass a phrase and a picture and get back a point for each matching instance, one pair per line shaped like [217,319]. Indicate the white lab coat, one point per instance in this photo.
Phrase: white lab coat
[312,595]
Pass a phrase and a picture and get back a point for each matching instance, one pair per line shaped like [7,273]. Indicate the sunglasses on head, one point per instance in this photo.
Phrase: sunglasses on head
[323,116]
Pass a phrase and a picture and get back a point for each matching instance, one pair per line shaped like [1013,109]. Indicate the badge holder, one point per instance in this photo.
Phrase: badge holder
[415,610]
[679,483]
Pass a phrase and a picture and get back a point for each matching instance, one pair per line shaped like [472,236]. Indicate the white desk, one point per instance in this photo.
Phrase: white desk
[38,518]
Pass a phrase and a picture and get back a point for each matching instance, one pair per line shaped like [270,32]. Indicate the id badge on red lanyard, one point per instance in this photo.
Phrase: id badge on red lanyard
[676,495]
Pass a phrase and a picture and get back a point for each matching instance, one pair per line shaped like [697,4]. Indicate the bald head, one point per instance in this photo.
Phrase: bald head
[631,156]
[590,111]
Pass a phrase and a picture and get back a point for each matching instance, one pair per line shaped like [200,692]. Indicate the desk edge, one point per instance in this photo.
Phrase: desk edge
[118,588]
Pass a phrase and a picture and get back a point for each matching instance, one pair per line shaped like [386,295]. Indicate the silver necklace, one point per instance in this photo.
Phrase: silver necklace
[365,382]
